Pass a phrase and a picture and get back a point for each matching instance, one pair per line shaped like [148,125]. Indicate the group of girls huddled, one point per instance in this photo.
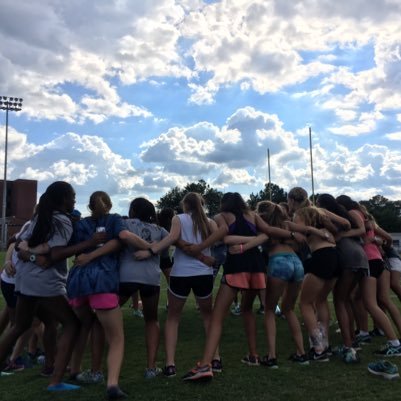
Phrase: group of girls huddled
[294,250]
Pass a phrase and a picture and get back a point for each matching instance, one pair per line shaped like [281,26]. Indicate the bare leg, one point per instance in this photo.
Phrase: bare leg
[248,297]
[112,323]
[342,290]
[175,306]
[312,287]
[224,298]
[86,317]
[152,328]
[368,285]
[274,289]
[205,308]
[383,295]
[287,308]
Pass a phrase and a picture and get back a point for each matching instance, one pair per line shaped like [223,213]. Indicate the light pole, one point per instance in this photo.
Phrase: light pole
[311,165]
[8,104]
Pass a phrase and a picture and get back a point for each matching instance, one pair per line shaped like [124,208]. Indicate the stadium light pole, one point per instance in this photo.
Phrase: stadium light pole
[311,165]
[8,104]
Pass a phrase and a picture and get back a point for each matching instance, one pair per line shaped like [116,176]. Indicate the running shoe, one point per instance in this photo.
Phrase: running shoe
[137,313]
[14,367]
[199,373]
[350,356]
[115,393]
[89,377]
[270,363]
[236,310]
[261,310]
[363,339]
[385,369]
[338,350]
[46,371]
[251,360]
[356,345]
[170,371]
[300,359]
[151,373]
[376,332]
[319,357]
[217,366]
[389,350]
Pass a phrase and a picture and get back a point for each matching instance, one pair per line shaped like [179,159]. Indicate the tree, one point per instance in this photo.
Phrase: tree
[385,212]
[277,195]
[173,197]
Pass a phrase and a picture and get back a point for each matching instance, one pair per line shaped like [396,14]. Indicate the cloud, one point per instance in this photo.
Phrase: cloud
[394,136]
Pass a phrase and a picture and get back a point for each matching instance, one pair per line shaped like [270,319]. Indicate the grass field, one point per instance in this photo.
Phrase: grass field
[319,381]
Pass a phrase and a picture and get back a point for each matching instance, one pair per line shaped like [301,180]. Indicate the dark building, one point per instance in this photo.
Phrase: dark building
[21,200]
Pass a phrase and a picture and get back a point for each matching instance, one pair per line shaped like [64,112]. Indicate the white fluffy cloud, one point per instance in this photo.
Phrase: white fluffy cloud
[94,62]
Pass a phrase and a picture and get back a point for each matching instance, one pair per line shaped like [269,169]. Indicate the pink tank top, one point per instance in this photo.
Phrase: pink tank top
[371,249]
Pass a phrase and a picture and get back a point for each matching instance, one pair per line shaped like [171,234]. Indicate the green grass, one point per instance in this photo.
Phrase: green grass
[319,381]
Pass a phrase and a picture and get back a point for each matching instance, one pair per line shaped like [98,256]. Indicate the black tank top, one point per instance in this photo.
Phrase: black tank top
[250,261]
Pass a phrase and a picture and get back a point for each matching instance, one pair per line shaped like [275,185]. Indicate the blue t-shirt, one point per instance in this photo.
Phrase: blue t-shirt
[101,275]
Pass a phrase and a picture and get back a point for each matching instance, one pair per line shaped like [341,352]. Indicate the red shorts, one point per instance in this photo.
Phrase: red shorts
[245,281]
[96,301]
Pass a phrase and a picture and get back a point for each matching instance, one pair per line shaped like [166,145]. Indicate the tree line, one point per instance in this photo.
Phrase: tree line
[386,212]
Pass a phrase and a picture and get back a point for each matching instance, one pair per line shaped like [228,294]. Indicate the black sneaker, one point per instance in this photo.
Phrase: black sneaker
[322,357]
[376,332]
[270,363]
[170,371]
[115,393]
[251,360]
[300,359]
[217,366]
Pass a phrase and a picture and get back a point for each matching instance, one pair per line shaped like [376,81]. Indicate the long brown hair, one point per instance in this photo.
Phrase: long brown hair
[193,203]
[272,214]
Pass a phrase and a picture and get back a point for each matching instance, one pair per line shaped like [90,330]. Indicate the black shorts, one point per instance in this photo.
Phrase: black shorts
[145,290]
[166,263]
[324,263]
[202,286]
[9,295]
[376,268]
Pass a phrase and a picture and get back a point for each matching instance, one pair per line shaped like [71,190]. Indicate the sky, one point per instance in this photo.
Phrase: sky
[137,97]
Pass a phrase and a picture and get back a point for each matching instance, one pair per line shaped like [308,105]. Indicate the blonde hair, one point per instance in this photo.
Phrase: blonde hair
[99,203]
[272,213]
[193,203]
[312,216]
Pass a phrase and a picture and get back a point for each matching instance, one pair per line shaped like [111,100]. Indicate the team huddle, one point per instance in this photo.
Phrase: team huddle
[285,253]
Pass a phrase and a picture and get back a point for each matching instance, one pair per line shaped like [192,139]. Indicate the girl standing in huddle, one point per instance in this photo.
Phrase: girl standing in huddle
[321,270]
[45,288]
[188,273]
[143,275]
[93,285]
[245,271]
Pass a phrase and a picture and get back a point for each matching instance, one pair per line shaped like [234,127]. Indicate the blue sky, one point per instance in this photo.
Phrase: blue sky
[136,98]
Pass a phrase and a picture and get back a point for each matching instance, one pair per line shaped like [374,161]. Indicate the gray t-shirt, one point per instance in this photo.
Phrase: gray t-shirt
[141,271]
[36,281]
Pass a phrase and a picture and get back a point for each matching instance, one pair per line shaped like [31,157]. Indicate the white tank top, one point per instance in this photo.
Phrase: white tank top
[184,265]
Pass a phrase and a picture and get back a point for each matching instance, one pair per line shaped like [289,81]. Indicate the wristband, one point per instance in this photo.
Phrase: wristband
[292,235]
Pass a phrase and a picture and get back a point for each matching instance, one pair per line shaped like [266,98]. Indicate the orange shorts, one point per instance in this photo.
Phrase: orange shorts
[245,281]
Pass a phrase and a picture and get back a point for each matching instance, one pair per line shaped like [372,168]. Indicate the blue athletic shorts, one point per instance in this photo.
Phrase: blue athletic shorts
[285,266]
